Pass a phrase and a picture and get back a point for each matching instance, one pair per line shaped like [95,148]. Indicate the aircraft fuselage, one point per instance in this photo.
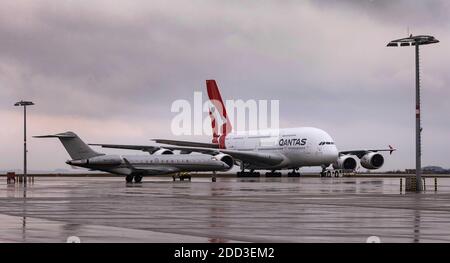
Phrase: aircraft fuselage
[300,147]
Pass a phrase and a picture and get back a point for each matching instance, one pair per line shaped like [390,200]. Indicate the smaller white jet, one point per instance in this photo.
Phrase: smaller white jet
[134,167]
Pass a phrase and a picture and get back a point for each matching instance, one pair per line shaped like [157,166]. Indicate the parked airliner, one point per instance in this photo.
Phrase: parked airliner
[272,150]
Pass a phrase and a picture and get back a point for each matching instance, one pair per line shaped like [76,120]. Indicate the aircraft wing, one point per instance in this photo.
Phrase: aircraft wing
[245,156]
[361,153]
[259,158]
[187,143]
[250,157]
[144,148]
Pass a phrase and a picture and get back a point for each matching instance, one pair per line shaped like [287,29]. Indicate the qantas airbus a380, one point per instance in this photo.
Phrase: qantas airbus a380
[272,150]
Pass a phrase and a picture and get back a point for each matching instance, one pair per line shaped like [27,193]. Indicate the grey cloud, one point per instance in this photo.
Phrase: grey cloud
[133,62]
[399,13]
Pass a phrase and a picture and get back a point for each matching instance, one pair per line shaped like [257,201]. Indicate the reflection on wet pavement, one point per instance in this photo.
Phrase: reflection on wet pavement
[230,210]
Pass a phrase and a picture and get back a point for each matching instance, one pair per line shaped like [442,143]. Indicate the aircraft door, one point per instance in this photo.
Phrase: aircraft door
[319,148]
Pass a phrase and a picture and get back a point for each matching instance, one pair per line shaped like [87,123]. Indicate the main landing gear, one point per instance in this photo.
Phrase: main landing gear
[129,178]
[335,173]
[330,173]
[324,171]
[294,173]
[137,178]
[273,174]
[181,176]
[252,173]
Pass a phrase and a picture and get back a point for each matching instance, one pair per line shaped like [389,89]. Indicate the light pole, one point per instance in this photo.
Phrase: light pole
[24,104]
[406,42]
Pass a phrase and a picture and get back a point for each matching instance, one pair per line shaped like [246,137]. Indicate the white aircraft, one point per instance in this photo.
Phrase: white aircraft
[134,167]
[269,149]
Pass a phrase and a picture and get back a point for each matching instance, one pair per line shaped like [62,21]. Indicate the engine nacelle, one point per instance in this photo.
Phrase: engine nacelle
[105,160]
[372,160]
[345,162]
[226,159]
[162,151]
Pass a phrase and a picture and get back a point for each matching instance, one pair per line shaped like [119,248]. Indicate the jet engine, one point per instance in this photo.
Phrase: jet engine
[345,162]
[225,158]
[162,151]
[372,160]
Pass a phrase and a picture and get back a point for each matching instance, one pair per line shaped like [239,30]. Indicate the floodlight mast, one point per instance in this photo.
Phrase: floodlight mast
[416,41]
[24,104]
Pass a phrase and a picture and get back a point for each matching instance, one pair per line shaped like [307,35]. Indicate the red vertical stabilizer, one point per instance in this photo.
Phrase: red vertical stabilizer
[216,100]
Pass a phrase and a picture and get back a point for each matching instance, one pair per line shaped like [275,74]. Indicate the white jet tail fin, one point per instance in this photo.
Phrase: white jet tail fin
[76,148]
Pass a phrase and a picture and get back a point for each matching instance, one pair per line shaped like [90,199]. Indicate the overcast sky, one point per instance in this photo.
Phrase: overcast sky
[110,70]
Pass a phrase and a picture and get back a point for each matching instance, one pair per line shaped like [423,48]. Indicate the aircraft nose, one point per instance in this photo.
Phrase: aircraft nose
[331,154]
[334,153]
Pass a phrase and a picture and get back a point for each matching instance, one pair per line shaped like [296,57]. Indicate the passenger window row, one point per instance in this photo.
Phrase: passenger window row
[167,161]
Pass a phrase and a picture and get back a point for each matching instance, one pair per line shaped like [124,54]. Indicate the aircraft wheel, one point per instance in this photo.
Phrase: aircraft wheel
[293,174]
[129,178]
[137,178]
[213,179]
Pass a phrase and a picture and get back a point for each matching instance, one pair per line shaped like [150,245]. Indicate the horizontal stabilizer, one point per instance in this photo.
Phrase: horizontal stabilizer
[59,135]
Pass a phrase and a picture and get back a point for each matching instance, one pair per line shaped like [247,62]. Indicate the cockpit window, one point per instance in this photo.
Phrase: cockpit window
[326,143]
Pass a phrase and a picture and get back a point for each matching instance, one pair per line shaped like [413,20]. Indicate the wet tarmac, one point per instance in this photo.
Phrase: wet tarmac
[230,210]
